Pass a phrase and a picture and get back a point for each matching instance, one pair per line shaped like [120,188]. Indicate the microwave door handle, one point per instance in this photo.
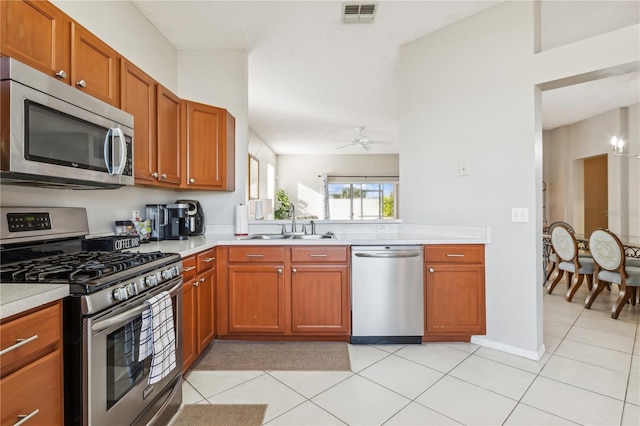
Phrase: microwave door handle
[119,169]
[106,152]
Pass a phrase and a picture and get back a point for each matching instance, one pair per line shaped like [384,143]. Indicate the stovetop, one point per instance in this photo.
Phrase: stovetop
[85,271]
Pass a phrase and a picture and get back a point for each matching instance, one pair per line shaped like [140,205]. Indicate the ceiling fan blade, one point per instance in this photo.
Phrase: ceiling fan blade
[344,146]
[366,147]
[380,142]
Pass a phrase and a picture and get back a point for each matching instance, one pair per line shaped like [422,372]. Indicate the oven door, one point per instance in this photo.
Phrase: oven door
[116,382]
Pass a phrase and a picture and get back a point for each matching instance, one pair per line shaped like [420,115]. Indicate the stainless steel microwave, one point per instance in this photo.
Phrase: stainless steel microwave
[53,135]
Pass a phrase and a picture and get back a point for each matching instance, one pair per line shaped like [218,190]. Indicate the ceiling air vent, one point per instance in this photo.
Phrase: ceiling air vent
[358,13]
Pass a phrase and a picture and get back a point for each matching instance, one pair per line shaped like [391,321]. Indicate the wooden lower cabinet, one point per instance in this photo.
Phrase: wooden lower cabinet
[320,299]
[284,292]
[198,297]
[32,373]
[256,301]
[454,292]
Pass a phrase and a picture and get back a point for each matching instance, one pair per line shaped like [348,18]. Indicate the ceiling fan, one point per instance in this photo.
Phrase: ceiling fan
[362,140]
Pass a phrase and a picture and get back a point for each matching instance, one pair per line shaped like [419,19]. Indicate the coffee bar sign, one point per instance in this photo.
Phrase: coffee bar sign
[114,243]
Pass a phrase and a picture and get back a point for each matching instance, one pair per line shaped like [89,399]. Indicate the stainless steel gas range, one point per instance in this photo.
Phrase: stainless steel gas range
[105,381]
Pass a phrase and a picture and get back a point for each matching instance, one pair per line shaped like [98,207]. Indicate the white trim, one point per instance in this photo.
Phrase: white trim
[533,355]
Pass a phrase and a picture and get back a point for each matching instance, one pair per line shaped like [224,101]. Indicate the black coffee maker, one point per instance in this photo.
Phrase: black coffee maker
[195,219]
[168,221]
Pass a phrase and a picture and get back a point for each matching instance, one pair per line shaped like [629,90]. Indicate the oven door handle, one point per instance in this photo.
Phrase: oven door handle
[126,316]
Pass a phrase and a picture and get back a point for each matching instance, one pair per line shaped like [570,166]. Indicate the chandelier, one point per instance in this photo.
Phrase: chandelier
[617,145]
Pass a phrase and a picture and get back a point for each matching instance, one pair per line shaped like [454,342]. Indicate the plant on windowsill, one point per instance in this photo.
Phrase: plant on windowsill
[283,203]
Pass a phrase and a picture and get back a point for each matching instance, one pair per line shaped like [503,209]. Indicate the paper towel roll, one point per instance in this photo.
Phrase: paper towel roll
[259,214]
[242,220]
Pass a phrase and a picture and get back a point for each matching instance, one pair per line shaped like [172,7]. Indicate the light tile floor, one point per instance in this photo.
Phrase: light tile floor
[590,374]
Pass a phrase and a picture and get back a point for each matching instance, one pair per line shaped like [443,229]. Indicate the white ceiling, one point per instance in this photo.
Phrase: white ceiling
[313,80]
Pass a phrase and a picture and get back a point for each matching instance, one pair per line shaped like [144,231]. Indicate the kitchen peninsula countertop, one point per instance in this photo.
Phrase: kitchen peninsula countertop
[199,243]
[17,298]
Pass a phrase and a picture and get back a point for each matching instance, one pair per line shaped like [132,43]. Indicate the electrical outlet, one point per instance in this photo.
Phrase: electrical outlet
[381,228]
[520,214]
[463,169]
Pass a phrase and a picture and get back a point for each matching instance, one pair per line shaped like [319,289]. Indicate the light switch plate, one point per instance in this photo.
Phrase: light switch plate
[519,214]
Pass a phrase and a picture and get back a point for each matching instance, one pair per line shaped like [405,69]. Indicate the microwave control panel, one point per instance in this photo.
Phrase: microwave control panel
[20,222]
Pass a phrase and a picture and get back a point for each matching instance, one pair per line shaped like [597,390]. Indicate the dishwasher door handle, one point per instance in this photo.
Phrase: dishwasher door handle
[393,254]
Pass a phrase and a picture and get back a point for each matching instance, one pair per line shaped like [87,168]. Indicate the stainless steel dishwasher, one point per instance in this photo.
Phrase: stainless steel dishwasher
[387,294]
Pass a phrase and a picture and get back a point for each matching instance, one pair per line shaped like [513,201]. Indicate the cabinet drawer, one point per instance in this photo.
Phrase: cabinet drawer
[458,253]
[206,260]
[45,324]
[319,254]
[256,254]
[189,265]
[38,386]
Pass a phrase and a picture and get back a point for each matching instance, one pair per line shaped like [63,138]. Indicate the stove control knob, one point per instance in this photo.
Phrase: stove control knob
[150,281]
[131,289]
[167,274]
[120,294]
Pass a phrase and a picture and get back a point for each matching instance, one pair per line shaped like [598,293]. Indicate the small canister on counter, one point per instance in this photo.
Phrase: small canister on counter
[125,227]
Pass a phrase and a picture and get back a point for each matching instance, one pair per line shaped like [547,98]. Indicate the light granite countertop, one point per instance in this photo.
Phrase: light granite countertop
[17,298]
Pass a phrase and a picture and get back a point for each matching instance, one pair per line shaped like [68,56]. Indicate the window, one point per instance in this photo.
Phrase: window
[359,200]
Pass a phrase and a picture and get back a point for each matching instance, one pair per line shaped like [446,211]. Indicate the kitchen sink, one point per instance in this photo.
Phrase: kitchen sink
[268,237]
[327,236]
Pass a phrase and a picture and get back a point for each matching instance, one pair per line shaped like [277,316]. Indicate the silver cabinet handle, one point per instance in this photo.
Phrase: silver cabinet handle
[279,270]
[163,176]
[318,255]
[189,268]
[255,255]
[209,259]
[455,255]
[192,180]
[431,270]
[21,342]
[26,417]
[202,279]
[154,174]
[81,83]
[392,254]
[61,74]
[294,270]
[196,283]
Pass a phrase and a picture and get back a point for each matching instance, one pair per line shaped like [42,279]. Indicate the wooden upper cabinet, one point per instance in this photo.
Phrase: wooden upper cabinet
[169,136]
[138,98]
[209,148]
[94,66]
[37,34]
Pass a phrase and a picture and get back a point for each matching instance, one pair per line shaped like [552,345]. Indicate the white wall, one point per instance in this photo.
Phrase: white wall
[299,175]
[564,150]
[263,152]
[468,93]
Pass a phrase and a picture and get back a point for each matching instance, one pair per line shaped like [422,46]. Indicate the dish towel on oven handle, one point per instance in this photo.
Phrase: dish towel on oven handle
[158,337]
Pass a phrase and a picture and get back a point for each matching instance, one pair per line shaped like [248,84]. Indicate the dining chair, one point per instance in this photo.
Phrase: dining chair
[552,266]
[576,267]
[611,267]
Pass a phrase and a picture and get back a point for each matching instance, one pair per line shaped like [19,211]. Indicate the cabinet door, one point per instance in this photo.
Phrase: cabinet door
[168,138]
[38,34]
[94,66]
[37,386]
[189,326]
[138,98]
[206,147]
[320,299]
[256,299]
[455,300]
[206,313]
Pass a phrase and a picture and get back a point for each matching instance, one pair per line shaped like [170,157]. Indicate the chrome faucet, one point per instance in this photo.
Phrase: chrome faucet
[292,212]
